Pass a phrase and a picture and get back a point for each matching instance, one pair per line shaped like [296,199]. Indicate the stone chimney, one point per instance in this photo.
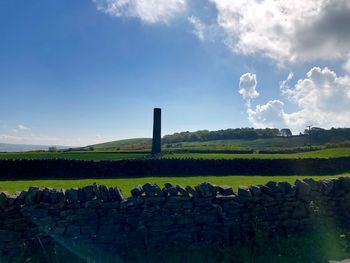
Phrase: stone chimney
[156,142]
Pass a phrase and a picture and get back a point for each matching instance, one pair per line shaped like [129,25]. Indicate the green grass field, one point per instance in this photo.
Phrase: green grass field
[73,155]
[258,144]
[126,184]
[111,155]
[325,153]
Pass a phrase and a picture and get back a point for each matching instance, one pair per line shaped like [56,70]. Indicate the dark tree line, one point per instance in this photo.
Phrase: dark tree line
[205,135]
[318,135]
[333,135]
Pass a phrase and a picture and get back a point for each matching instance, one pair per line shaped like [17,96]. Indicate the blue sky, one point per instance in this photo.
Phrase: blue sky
[81,72]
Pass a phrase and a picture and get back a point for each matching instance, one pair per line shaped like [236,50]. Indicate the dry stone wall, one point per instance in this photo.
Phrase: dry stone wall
[97,218]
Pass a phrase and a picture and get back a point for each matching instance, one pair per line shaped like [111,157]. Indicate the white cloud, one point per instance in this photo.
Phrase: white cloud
[205,31]
[23,128]
[20,127]
[270,114]
[148,11]
[284,30]
[199,27]
[322,99]
[247,87]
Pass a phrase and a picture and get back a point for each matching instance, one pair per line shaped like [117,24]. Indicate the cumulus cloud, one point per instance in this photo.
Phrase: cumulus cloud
[322,98]
[286,31]
[247,87]
[270,114]
[148,11]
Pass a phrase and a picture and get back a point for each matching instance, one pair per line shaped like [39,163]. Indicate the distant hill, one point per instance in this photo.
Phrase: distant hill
[7,147]
[234,139]
[127,144]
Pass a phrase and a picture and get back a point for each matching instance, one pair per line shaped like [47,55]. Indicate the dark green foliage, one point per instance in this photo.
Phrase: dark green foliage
[53,149]
[205,135]
[332,135]
[319,136]
[75,169]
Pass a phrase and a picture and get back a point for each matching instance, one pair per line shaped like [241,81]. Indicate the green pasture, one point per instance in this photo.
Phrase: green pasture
[114,155]
[258,144]
[84,155]
[126,184]
[325,153]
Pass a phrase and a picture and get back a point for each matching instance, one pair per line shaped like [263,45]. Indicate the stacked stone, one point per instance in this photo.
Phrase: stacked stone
[29,219]
[99,218]
[332,197]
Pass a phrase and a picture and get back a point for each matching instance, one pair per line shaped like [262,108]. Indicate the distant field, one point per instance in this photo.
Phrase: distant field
[258,144]
[126,184]
[326,153]
[73,155]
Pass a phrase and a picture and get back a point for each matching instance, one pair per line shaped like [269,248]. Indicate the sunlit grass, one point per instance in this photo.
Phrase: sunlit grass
[126,184]
[326,153]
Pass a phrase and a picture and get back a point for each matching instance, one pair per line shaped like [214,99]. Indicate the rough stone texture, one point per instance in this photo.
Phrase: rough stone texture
[97,217]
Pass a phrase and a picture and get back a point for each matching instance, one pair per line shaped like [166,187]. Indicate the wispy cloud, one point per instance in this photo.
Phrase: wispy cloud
[148,11]
[21,127]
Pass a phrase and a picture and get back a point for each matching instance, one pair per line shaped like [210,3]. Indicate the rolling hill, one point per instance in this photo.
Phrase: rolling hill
[127,144]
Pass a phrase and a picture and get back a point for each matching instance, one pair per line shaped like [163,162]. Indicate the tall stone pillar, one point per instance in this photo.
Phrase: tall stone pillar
[156,142]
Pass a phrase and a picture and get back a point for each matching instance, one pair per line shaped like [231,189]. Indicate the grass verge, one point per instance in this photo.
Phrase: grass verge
[126,184]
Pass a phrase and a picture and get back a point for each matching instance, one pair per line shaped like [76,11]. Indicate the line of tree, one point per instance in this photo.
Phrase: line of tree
[333,135]
[239,133]
[318,135]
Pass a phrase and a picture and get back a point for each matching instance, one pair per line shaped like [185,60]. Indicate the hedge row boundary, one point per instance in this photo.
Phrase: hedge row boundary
[76,169]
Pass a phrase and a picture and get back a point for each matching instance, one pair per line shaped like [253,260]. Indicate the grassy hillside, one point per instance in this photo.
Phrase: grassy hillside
[127,144]
[258,144]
